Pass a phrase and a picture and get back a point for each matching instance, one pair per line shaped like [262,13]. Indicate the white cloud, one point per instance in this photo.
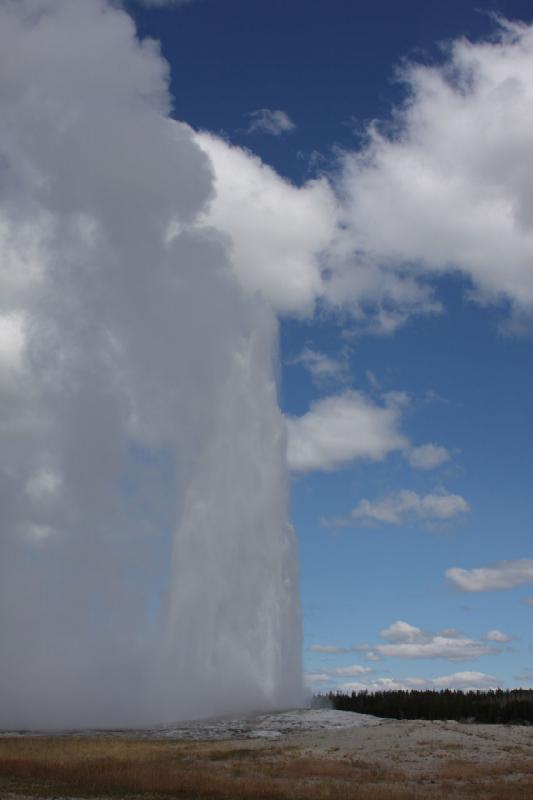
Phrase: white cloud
[323,368]
[408,641]
[503,575]
[343,428]
[271,121]
[277,230]
[350,672]
[427,456]
[335,673]
[377,299]
[401,631]
[462,649]
[497,636]
[313,678]
[401,507]
[457,680]
[450,189]
[447,192]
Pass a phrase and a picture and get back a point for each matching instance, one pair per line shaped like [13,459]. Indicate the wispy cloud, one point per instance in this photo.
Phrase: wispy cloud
[335,673]
[351,671]
[329,649]
[526,676]
[270,121]
[406,641]
[404,506]
[324,369]
[497,636]
[502,575]
[457,680]
[163,3]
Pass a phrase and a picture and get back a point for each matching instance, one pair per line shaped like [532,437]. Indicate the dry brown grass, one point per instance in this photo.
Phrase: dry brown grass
[228,771]
[350,770]
[96,767]
[461,770]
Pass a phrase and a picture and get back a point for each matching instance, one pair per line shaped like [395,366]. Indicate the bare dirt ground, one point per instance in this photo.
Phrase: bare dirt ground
[292,756]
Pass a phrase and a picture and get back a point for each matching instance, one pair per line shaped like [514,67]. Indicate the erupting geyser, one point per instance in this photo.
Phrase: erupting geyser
[147,569]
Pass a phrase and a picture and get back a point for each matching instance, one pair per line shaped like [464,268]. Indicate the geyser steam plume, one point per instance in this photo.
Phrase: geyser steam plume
[147,570]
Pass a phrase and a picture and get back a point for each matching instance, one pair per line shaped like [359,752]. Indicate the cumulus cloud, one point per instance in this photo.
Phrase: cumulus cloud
[458,680]
[324,369]
[450,189]
[427,456]
[401,631]
[404,506]
[340,429]
[286,245]
[277,231]
[445,190]
[271,121]
[502,575]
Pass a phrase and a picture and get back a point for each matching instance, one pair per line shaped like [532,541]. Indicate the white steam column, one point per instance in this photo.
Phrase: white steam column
[234,627]
[147,569]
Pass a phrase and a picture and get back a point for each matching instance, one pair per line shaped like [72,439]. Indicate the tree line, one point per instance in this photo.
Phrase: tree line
[494,706]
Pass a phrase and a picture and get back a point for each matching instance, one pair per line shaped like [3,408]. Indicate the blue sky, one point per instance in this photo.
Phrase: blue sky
[447,482]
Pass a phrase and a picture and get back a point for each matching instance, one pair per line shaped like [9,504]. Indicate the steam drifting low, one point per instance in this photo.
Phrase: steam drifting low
[147,569]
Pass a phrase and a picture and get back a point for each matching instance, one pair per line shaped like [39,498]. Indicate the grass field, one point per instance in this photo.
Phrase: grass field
[100,768]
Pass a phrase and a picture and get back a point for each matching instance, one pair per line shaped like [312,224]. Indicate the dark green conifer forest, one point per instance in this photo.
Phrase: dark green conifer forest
[512,706]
